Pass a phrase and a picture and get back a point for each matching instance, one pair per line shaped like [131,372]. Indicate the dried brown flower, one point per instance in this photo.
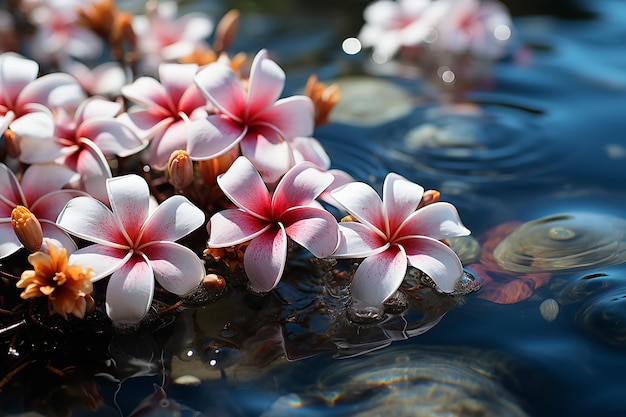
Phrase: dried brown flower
[324,98]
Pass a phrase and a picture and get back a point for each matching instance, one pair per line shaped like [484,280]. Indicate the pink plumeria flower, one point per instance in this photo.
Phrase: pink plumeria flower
[165,108]
[134,245]
[391,234]
[392,25]
[267,220]
[165,37]
[23,95]
[480,28]
[40,191]
[253,117]
[58,33]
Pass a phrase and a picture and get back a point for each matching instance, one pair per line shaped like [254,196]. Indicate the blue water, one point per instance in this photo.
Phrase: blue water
[548,139]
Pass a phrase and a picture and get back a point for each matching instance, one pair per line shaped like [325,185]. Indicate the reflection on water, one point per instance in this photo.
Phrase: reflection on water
[407,382]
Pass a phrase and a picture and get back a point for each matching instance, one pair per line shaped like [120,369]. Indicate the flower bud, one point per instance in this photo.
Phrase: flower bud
[27,228]
[180,168]
[11,144]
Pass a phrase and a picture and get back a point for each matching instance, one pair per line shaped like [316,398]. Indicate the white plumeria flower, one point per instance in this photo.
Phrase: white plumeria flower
[134,245]
[392,233]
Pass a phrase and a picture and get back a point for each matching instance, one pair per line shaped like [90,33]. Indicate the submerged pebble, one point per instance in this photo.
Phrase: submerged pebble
[549,309]
[564,242]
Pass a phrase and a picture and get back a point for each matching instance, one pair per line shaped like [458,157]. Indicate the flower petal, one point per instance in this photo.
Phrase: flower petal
[436,260]
[400,199]
[42,91]
[104,260]
[223,88]
[270,154]
[129,196]
[112,136]
[130,291]
[176,78]
[148,92]
[265,258]
[172,219]
[10,192]
[91,220]
[299,187]
[243,185]
[234,226]
[212,136]
[53,231]
[50,205]
[39,180]
[437,220]
[94,170]
[292,116]
[177,268]
[310,149]
[362,202]
[313,228]
[357,240]
[265,84]
[9,243]
[170,140]
[16,72]
[379,276]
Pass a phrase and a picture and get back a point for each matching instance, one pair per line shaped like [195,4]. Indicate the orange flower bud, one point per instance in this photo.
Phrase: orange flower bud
[27,228]
[180,169]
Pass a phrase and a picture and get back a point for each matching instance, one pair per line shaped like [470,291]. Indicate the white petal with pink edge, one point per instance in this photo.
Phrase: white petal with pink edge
[270,154]
[223,88]
[50,205]
[176,78]
[292,117]
[173,218]
[10,192]
[39,180]
[362,202]
[53,231]
[148,92]
[438,220]
[436,260]
[212,136]
[379,276]
[243,185]
[313,228]
[357,240]
[130,291]
[266,83]
[234,226]
[16,72]
[91,220]
[265,258]
[177,268]
[299,187]
[129,196]
[112,136]
[104,260]
[400,199]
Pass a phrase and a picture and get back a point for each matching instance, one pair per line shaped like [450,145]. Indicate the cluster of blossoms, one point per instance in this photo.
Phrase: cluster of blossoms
[81,188]
[444,34]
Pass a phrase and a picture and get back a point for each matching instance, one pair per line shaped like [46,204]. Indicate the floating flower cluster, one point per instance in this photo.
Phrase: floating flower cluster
[129,181]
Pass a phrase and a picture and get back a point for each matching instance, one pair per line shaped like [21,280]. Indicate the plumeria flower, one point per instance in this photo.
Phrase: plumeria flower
[480,28]
[135,246]
[392,25]
[267,220]
[58,33]
[391,234]
[39,194]
[23,94]
[165,37]
[82,139]
[165,108]
[252,116]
